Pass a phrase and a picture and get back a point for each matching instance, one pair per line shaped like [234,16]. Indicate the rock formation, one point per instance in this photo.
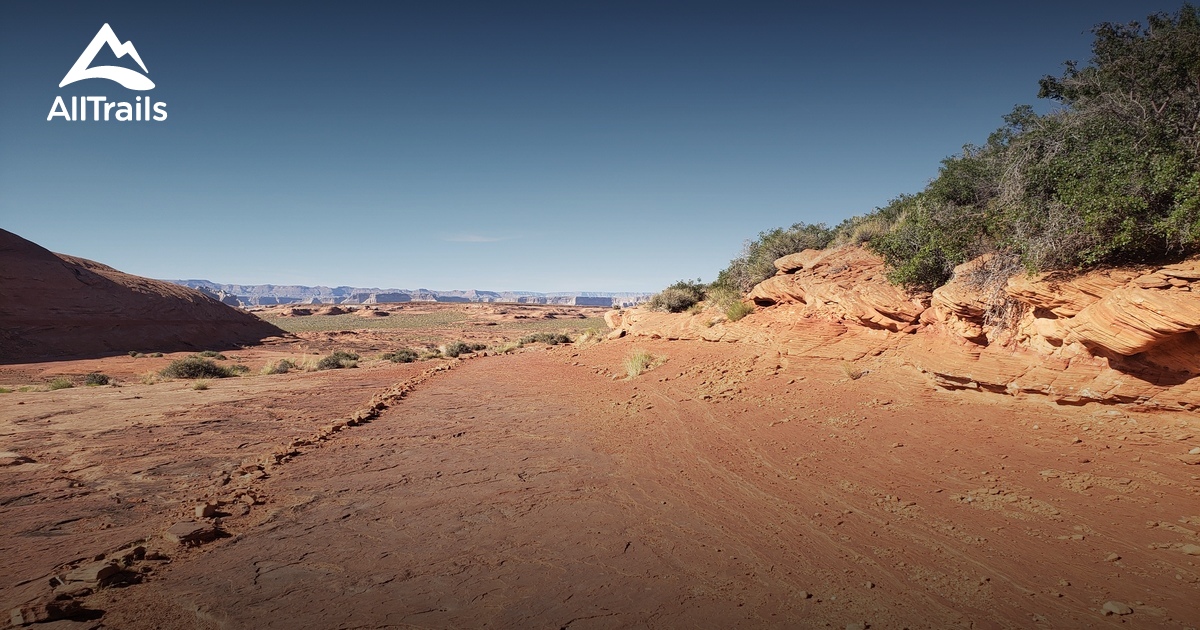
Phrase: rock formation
[1112,336]
[56,306]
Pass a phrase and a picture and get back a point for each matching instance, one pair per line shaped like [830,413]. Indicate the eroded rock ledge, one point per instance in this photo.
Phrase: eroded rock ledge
[1118,336]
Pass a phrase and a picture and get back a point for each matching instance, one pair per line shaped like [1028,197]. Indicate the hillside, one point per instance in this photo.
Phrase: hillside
[54,306]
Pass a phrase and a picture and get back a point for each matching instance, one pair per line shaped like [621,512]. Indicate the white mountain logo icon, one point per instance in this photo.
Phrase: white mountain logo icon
[126,77]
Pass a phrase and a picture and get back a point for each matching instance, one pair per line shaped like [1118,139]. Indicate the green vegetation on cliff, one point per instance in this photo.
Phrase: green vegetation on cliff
[1110,177]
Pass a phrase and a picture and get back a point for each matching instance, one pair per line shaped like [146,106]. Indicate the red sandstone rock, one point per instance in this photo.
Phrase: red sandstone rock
[57,306]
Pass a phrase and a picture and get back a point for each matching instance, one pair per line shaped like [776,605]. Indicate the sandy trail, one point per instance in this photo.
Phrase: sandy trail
[722,489]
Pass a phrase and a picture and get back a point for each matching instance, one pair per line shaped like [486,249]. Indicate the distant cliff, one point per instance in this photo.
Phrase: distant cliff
[270,294]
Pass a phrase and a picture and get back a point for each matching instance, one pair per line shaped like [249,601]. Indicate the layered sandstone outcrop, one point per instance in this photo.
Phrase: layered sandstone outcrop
[56,306]
[1128,336]
[847,283]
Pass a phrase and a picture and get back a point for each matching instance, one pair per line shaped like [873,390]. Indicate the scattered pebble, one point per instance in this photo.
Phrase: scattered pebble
[1112,557]
[1116,608]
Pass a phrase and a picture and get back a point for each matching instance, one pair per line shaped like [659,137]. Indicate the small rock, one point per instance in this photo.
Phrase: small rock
[96,573]
[131,555]
[804,594]
[1036,427]
[190,533]
[43,611]
[1116,608]
[856,626]
[1190,460]
[1194,451]
[1112,557]
[72,591]
[206,511]
[1190,549]
[9,458]
[870,585]
[1076,440]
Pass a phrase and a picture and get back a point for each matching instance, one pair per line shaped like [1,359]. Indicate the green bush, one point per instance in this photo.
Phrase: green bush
[195,367]
[458,348]
[403,355]
[678,297]
[1111,177]
[282,366]
[338,360]
[550,339]
[212,354]
[61,382]
[96,378]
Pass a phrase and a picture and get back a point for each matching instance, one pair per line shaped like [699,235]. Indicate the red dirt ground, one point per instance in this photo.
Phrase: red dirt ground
[723,488]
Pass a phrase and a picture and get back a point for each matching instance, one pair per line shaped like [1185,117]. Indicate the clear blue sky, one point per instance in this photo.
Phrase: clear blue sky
[598,146]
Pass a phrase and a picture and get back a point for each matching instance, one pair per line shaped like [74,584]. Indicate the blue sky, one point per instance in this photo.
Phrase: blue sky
[596,146]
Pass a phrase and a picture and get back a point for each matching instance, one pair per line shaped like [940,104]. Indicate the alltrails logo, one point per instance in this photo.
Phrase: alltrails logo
[101,108]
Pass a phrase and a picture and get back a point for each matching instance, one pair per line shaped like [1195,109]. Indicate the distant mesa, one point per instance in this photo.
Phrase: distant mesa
[252,295]
[54,306]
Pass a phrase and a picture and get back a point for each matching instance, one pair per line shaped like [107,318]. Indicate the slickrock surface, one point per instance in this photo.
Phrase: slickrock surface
[54,306]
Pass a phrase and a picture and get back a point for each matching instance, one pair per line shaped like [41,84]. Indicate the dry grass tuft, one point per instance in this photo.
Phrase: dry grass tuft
[641,361]
[852,372]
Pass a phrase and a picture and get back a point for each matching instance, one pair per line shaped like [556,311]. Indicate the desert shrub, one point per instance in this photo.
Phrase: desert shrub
[757,260]
[133,353]
[212,354]
[591,335]
[460,347]
[96,378]
[157,355]
[1111,177]
[550,339]
[338,360]
[61,382]
[403,355]
[238,368]
[640,361]
[678,297]
[194,367]
[5,390]
[988,277]
[200,385]
[282,366]
[507,347]
[738,310]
